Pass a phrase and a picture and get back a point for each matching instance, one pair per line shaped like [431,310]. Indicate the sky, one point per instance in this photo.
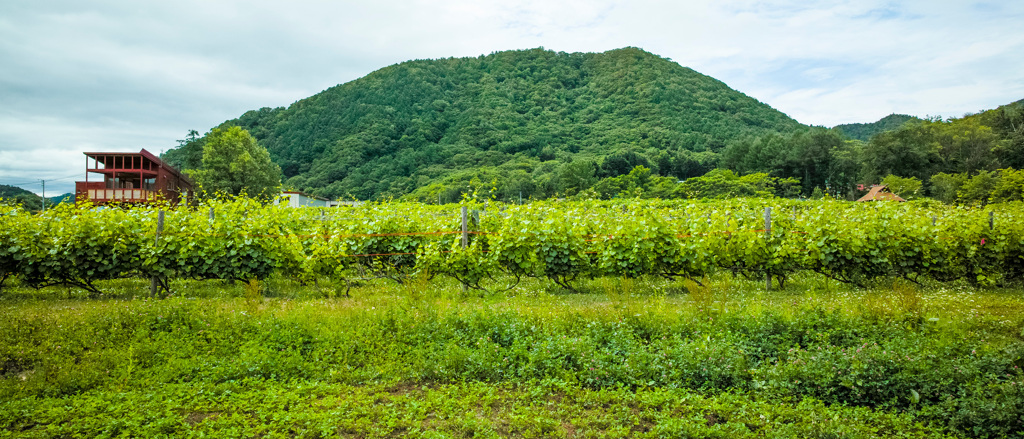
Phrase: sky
[122,75]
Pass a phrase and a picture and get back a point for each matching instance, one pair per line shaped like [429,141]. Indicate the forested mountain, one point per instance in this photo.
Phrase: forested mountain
[537,122]
[13,191]
[864,131]
[31,201]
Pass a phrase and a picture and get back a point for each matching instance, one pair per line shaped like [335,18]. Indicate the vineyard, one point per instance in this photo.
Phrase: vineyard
[490,246]
[623,318]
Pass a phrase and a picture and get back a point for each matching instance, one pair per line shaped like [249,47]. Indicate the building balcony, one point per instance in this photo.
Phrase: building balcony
[98,194]
[120,195]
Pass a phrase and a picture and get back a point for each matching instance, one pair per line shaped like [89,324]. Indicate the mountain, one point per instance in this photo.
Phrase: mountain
[31,200]
[517,119]
[17,195]
[60,199]
[864,131]
[7,191]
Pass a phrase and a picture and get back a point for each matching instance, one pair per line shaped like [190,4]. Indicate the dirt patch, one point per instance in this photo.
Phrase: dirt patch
[403,388]
[197,417]
[569,429]
[713,418]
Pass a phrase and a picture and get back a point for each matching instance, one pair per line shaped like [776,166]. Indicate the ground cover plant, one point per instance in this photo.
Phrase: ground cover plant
[617,357]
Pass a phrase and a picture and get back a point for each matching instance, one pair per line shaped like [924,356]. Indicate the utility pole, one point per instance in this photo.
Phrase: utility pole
[44,195]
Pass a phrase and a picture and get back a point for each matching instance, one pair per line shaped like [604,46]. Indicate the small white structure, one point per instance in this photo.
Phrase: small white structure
[299,199]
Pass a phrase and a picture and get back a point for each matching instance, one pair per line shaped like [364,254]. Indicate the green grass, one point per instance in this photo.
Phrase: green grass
[621,358]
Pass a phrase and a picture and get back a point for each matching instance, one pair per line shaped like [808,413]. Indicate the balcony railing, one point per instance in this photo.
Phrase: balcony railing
[121,195]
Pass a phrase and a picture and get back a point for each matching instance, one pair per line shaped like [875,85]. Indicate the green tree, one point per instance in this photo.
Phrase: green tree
[188,154]
[29,202]
[1010,186]
[944,187]
[577,176]
[632,184]
[969,145]
[911,151]
[908,188]
[723,183]
[234,164]
[978,188]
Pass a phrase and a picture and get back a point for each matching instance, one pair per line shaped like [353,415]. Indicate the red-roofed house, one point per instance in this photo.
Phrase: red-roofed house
[131,177]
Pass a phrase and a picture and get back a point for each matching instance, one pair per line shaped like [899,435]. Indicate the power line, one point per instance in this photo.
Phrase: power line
[20,184]
[35,182]
[65,178]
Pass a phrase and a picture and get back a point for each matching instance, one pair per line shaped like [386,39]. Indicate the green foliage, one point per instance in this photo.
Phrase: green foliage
[425,122]
[816,158]
[7,191]
[944,187]
[911,151]
[865,131]
[235,164]
[907,188]
[1010,186]
[807,364]
[563,241]
[971,144]
[188,155]
[626,185]
[243,241]
[13,225]
[74,246]
[722,184]
[16,196]
[536,124]
[978,188]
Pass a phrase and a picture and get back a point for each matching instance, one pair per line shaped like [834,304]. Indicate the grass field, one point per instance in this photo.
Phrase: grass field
[619,358]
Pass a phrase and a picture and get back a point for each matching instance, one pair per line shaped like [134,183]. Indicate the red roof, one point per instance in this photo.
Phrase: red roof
[144,154]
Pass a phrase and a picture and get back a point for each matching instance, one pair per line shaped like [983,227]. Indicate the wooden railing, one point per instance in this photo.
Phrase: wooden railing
[123,195]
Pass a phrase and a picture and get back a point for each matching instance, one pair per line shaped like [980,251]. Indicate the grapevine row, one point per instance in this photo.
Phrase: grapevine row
[562,241]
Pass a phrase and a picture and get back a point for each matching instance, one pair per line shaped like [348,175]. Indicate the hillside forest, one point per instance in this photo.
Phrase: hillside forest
[535,124]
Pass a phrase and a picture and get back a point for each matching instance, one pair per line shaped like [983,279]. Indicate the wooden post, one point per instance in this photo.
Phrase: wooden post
[156,240]
[767,239]
[211,213]
[465,227]
[991,220]
[465,238]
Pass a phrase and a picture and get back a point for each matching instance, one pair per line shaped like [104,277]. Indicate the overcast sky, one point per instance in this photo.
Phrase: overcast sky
[120,75]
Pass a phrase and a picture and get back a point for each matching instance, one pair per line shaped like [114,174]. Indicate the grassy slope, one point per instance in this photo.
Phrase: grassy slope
[420,360]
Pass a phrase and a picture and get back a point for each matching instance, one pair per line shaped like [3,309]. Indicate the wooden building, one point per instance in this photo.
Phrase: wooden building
[131,177]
